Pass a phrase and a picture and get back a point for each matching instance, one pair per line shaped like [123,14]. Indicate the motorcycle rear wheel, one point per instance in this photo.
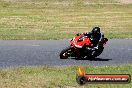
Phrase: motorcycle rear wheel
[97,52]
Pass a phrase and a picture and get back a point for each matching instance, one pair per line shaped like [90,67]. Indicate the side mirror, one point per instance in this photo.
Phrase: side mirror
[77,34]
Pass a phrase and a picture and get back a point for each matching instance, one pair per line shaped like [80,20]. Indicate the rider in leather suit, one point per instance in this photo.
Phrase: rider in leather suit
[95,36]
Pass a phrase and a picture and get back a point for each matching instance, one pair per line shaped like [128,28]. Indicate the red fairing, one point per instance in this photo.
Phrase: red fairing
[80,41]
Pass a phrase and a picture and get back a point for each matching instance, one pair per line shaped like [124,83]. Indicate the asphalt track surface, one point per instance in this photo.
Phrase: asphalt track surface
[14,53]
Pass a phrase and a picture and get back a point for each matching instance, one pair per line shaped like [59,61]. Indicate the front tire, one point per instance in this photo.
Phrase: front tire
[64,53]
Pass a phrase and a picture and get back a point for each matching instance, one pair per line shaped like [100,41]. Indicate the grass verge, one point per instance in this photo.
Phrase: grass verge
[59,19]
[57,77]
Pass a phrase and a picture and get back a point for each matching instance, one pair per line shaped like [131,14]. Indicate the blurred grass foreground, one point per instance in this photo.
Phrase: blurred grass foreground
[57,77]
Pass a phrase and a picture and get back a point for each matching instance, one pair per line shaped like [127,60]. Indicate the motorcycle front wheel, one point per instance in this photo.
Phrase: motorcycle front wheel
[65,53]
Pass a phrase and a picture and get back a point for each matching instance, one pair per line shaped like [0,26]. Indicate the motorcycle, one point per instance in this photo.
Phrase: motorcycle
[81,47]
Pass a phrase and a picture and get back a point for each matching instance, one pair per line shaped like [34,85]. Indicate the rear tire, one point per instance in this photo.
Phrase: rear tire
[64,53]
[97,52]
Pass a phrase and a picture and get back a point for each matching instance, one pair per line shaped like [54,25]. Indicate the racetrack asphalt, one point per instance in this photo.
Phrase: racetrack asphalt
[14,53]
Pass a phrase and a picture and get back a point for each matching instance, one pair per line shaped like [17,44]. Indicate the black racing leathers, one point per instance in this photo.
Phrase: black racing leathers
[95,38]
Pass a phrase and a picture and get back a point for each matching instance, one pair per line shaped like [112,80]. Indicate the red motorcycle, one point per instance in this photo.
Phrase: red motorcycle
[81,47]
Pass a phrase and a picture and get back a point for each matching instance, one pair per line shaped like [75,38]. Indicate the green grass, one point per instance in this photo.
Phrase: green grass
[62,19]
[59,77]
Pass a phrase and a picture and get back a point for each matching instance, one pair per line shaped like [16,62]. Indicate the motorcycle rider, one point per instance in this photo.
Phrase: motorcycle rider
[95,36]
